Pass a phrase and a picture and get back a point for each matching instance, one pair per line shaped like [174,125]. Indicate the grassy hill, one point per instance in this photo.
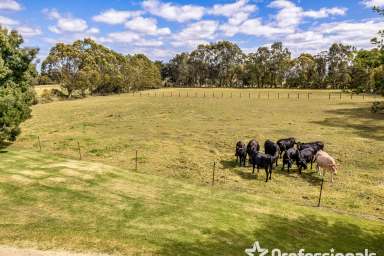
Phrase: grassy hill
[168,207]
[52,202]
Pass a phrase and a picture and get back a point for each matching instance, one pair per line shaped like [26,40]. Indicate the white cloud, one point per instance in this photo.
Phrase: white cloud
[196,33]
[130,37]
[229,10]
[173,12]
[255,27]
[147,26]
[373,3]
[27,31]
[236,12]
[11,5]
[121,37]
[291,15]
[65,23]
[4,21]
[93,31]
[325,12]
[321,37]
[114,17]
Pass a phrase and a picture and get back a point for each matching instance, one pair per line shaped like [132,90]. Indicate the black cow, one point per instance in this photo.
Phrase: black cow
[316,146]
[253,146]
[290,156]
[305,157]
[241,152]
[271,148]
[285,144]
[265,161]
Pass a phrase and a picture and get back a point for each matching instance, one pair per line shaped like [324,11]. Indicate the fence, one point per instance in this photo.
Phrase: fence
[269,95]
[218,176]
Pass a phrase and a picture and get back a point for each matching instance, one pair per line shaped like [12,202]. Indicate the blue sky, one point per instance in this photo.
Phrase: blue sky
[162,28]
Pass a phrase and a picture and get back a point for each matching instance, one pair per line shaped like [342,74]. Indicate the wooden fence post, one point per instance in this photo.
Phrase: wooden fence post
[288,95]
[136,161]
[278,95]
[78,147]
[38,139]
[213,173]
[298,95]
[308,96]
[340,95]
[329,96]
[268,95]
[321,191]
[249,95]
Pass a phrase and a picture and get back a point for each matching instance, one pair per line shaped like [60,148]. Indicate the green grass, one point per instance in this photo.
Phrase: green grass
[51,202]
[167,207]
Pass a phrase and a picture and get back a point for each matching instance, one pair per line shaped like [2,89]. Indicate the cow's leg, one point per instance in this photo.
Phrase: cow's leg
[331,177]
[253,170]
[311,163]
[266,174]
[270,173]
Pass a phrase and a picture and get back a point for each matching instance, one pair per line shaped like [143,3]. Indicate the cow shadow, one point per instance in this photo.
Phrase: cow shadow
[243,172]
[308,175]
[229,164]
[314,233]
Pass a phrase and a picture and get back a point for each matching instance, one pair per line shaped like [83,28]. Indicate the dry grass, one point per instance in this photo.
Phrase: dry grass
[168,206]
[121,212]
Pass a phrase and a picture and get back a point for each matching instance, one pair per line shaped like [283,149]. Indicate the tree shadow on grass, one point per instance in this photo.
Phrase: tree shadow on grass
[360,120]
[310,232]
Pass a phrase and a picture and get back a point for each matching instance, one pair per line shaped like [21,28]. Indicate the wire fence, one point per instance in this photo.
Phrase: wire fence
[269,95]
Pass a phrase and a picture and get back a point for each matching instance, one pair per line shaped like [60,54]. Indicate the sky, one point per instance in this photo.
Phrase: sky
[162,28]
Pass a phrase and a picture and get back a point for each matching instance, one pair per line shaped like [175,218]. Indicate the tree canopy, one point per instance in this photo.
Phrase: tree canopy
[85,67]
[16,73]
[223,64]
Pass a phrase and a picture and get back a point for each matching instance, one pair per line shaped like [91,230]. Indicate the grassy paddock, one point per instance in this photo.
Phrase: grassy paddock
[51,202]
[182,137]
[168,206]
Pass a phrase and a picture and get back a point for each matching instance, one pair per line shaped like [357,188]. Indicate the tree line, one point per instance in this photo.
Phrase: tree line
[223,64]
[86,67]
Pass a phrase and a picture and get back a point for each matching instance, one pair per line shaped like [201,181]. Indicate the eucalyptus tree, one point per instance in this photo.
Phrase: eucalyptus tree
[340,59]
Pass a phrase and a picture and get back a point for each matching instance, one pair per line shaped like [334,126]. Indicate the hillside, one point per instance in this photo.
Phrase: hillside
[52,202]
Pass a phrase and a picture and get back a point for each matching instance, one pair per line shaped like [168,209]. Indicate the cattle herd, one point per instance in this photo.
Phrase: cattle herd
[292,152]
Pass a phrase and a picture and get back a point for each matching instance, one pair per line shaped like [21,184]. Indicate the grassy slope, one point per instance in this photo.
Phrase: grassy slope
[182,136]
[51,202]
